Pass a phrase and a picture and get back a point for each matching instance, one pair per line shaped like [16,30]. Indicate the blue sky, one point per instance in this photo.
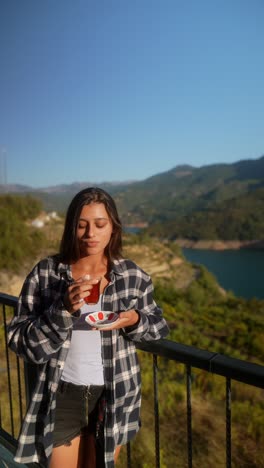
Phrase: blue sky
[116,90]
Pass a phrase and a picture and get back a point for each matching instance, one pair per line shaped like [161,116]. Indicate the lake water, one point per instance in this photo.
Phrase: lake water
[240,271]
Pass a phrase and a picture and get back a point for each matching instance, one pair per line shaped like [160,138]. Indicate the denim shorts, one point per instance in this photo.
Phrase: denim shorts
[74,403]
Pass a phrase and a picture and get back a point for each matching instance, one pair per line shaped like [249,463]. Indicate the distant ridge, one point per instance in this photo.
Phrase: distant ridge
[74,186]
[243,168]
[185,196]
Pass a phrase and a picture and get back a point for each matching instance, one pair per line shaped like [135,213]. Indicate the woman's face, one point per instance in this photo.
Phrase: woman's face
[94,229]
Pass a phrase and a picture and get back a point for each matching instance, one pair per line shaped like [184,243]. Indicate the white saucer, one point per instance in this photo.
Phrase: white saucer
[101,319]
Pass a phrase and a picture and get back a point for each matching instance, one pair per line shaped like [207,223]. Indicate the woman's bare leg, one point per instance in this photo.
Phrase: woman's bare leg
[66,456]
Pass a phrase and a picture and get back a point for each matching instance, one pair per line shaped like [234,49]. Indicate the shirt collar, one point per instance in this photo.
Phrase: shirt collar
[117,267]
[64,268]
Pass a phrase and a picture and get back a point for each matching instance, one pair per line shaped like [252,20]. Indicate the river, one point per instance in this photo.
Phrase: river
[240,271]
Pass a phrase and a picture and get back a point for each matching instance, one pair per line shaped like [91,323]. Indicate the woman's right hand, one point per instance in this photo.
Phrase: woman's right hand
[74,296]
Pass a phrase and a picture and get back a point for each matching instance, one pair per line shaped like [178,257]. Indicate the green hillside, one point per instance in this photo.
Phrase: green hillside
[186,189]
[240,218]
[19,240]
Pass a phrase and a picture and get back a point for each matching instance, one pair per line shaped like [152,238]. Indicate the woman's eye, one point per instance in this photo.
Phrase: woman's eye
[97,226]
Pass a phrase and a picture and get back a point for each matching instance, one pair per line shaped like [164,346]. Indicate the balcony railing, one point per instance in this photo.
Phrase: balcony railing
[16,380]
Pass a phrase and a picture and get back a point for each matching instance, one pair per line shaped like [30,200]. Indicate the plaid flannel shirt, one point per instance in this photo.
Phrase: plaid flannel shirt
[40,333]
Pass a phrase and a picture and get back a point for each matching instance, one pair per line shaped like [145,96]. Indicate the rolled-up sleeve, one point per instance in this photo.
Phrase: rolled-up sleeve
[39,327]
[151,325]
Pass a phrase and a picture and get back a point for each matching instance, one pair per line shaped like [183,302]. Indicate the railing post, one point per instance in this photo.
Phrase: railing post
[189,413]
[8,375]
[19,389]
[156,409]
[128,455]
[228,422]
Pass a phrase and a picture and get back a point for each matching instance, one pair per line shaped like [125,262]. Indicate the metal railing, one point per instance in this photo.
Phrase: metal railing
[219,364]
[17,382]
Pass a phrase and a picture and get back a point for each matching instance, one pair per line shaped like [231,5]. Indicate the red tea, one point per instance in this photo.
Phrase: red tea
[93,298]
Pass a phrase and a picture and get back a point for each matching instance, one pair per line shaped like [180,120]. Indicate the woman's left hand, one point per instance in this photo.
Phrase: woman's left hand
[125,319]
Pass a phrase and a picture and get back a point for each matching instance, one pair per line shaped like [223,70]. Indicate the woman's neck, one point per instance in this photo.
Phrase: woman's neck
[90,265]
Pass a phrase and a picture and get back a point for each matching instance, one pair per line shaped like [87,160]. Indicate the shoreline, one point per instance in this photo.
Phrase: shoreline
[219,244]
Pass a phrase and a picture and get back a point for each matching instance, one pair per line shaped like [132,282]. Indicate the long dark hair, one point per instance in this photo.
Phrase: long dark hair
[69,249]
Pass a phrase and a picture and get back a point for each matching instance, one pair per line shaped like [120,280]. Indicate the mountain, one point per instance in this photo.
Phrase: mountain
[171,195]
[185,189]
[239,218]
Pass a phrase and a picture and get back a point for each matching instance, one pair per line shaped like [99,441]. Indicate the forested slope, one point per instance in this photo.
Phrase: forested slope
[240,218]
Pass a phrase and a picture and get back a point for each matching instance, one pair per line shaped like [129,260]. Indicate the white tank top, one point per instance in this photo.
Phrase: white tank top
[83,364]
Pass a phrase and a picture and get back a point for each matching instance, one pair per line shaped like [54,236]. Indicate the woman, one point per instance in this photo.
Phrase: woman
[76,364]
